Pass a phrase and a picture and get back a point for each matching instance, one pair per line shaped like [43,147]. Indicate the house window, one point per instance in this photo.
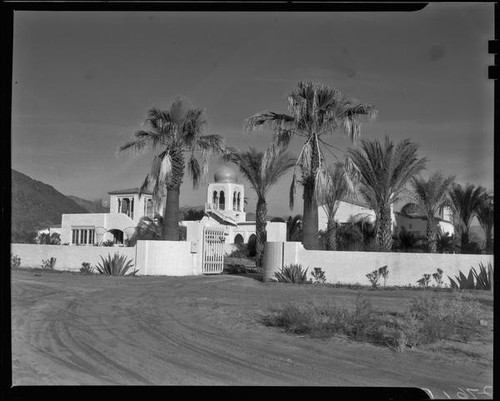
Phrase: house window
[148,208]
[222,201]
[215,199]
[83,236]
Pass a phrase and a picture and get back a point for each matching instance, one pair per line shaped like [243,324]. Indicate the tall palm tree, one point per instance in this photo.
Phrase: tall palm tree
[338,188]
[178,133]
[315,111]
[431,196]
[465,202]
[383,170]
[262,170]
[485,216]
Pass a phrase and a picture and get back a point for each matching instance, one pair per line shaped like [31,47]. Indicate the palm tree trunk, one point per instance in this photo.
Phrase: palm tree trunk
[171,212]
[171,216]
[260,230]
[489,240]
[310,214]
[464,240]
[331,236]
[431,235]
[384,230]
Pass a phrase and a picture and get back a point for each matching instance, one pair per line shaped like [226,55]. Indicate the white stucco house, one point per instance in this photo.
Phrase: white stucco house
[224,207]
[125,210]
[405,220]
[413,222]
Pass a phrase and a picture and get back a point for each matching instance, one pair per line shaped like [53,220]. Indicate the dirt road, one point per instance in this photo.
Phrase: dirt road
[74,329]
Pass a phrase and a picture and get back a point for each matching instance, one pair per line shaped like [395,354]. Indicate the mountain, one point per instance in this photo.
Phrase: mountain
[95,206]
[36,205]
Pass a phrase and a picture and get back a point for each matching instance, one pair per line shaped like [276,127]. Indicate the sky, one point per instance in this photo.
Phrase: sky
[83,82]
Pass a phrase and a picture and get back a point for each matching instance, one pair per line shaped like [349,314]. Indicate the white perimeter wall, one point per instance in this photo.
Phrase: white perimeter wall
[352,267]
[152,258]
[167,258]
[68,257]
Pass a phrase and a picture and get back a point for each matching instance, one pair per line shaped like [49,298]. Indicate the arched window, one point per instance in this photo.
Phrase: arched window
[215,199]
[222,201]
[239,201]
[234,201]
[238,239]
[149,208]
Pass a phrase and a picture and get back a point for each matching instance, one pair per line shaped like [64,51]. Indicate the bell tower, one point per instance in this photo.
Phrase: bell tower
[225,196]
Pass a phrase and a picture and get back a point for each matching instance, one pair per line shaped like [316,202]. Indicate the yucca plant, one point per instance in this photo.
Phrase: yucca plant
[292,274]
[115,266]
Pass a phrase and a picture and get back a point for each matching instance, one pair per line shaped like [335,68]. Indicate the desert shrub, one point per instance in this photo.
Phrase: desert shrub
[115,266]
[445,317]
[375,275]
[107,243]
[384,273]
[48,239]
[438,277]
[15,261]
[292,274]
[324,320]
[426,319]
[86,268]
[424,281]
[49,264]
[318,275]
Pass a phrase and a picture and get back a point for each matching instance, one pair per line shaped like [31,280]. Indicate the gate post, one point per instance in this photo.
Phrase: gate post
[273,259]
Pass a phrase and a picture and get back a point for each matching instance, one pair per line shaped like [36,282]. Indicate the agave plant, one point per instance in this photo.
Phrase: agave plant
[292,274]
[484,279]
[463,282]
[118,265]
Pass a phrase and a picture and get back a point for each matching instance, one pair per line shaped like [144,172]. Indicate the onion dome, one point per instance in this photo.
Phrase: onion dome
[225,174]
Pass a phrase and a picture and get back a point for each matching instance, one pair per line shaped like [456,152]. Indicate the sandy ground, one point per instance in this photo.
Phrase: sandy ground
[73,329]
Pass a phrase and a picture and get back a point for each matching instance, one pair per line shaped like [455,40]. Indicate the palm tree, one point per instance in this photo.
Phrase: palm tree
[147,229]
[383,170]
[338,189]
[485,216]
[262,170]
[178,132]
[465,202]
[431,196]
[315,111]
[294,228]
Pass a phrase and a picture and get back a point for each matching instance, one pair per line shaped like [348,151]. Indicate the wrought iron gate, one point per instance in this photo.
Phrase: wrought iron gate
[213,250]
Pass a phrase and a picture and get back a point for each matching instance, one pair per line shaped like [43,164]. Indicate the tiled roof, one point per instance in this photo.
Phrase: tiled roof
[128,191]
